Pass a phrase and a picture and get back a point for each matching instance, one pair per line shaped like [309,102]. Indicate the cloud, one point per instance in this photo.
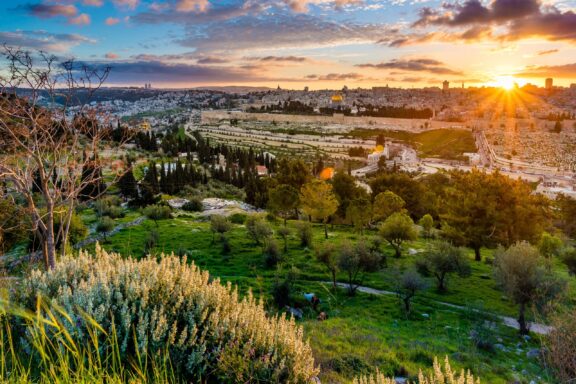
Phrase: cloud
[82,19]
[129,4]
[112,56]
[93,3]
[566,71]
[192,5]
[547,52]
[111,21]
[280,59]
[302,5]
[42,40]
[414,65]
[46,11]
[503,20]
[336,77]
[159,72]
[212,60]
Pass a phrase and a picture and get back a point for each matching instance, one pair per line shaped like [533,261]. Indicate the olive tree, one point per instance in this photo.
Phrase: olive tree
[355,260]
[397,229]
[519,270]
[441,260]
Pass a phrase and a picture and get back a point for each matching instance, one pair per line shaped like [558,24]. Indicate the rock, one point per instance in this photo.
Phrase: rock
[401,380]
[500,347]
[533,353]
[425,315]
[526,338]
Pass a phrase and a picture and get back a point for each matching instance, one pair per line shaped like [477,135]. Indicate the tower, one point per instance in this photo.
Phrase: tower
[549,83]
[445,85]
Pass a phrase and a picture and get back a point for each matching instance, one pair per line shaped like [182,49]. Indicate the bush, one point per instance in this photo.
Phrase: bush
[157,212]
[151,241]
[561,345]
[109,206]
[194,205]
[168,305]
[305,234]
[105,224]
[258,228]
[272,255]
[237,218]
[439,376]
[569,258]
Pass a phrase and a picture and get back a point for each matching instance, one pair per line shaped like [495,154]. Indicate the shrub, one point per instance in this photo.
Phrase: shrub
[151,241]
[569,258]
[561,345]
[237,218]
[105,224]
[157,212]
[219,224]
[109,206]
[272,255]
[258,228]
[170,305]
[305,234]
[439,376]
[194,205]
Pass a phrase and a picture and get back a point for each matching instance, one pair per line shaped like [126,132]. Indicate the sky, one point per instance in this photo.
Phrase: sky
[322,44]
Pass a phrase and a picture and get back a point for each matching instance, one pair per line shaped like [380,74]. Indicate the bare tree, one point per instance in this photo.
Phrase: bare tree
[49,140]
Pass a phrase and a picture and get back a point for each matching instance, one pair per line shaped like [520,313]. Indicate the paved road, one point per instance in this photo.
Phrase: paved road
[541,329]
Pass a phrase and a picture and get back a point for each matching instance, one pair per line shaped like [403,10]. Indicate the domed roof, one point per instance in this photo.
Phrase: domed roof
[337,98]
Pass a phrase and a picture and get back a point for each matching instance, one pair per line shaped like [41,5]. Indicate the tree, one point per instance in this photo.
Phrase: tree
[41,150]
[359,212]
[329,257]
[566,207]
[483,210]
[258,228]
[318,201]
[345,189]
[427,223]
[13,223]
[519,271]
[284,233]
[550,246]
[293,172]
[560,345]
[220,225]
[569,259]
[283,199]
[441,260]
[355,261]
[157,212]
[408,284]
[387,203]
[397,229]
[410,190]
[127,183]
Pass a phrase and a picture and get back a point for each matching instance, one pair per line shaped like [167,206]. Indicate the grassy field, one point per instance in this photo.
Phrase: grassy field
[441,143]
[365,331]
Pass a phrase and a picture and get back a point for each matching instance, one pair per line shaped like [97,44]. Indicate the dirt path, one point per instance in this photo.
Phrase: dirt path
[511,322]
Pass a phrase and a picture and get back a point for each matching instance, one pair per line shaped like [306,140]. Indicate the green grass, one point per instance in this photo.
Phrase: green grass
[365,331]
[441,143]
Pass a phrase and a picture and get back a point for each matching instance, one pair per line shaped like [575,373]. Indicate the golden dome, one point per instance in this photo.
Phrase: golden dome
[337,98]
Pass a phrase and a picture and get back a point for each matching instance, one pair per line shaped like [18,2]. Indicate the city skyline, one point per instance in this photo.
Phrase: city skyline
[314,43]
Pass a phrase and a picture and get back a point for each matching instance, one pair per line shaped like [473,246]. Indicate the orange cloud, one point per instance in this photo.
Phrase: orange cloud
[82,19]
[93,3]
[112,21]
[192,5]
[111,56]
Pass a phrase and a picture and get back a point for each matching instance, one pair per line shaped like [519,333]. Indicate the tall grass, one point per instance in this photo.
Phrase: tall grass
[46,352]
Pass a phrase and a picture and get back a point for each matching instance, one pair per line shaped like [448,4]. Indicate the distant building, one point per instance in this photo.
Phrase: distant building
[549,83]
[445,85]
[261,170]
[337,100]
[306,89]
[573,86]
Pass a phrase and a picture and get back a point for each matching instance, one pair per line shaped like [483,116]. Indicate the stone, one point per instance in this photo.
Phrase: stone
[533,353]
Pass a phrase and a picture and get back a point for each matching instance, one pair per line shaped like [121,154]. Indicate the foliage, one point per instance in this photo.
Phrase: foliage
[105,224]
[272,255]
[318,201]
[359,212]
[170,305]
[305,234]
[484,209]
[220,225]
[258,228]
[396,229]
[157,212]
[284,232]
[329,257]
[193,205]
[427,224]
[520,273]
[109,206]
[561,345]
[283,200]
[13,223]
[354,261]
[569,259]
[439,376]
[386,203]
[441,260]
[345,189]
[550,246]
[408,284]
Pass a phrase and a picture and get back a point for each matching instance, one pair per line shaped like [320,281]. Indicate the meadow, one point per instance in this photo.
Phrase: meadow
[364,331]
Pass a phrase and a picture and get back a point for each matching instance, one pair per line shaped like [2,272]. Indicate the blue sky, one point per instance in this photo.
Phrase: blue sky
[319,43]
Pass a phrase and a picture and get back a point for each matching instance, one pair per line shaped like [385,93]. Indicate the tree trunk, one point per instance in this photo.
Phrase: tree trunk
[397,252]
[325,230]
[334,280]
[285,221]
[522,320]
[477,254]
[50,246]
[406,304]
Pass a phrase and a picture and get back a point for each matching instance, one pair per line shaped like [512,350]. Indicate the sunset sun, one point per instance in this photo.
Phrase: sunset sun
[506,82]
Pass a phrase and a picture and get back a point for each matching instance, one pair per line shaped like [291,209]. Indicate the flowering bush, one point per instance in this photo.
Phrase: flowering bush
[169,305]
[439,376]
